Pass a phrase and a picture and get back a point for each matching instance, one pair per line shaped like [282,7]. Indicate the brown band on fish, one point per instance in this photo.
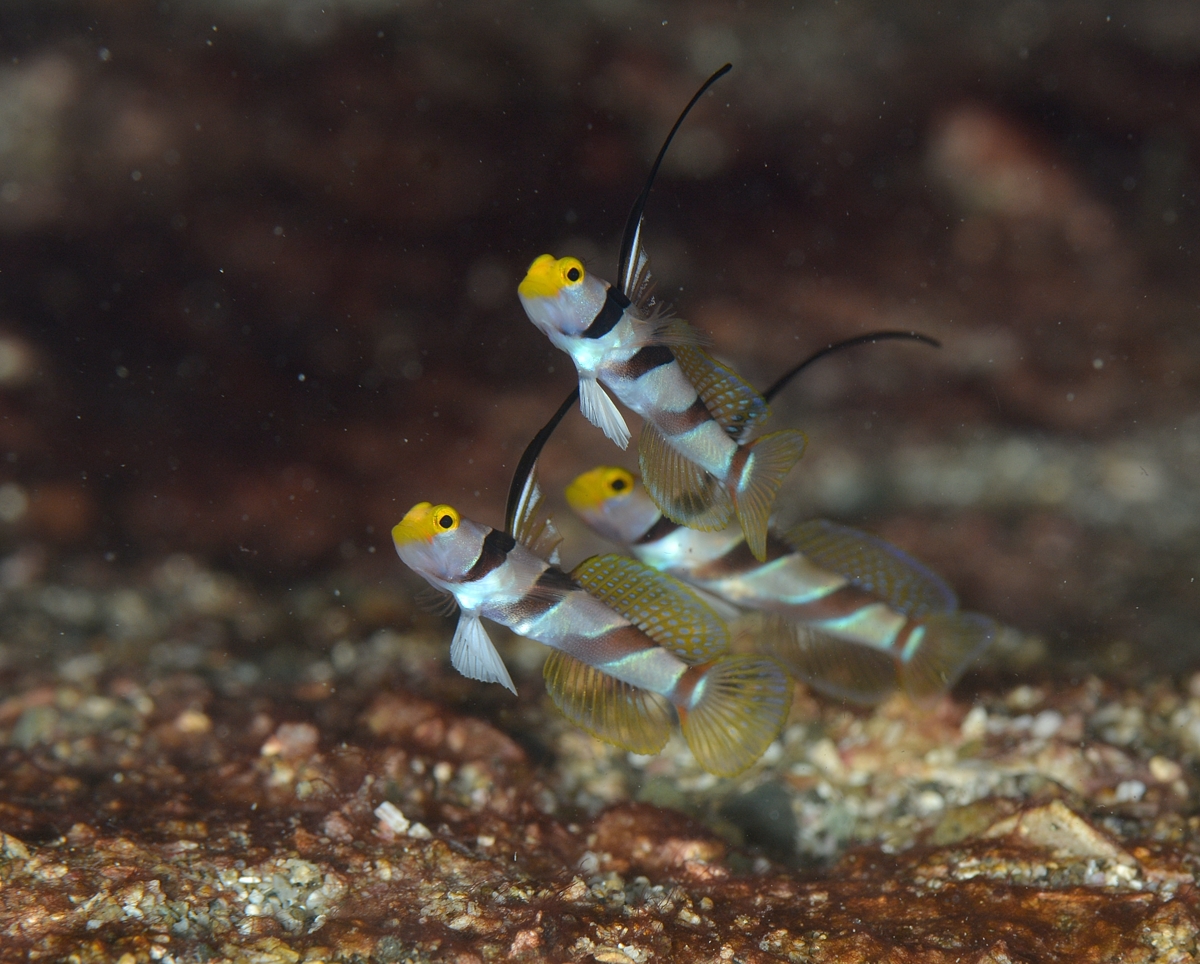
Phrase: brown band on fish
[739,560]
[902,637]
[607,317]
[496,547]
[838,604]
[680,423]
[609,646]
[647,359]
[739,465]
[551,588]
[660,530]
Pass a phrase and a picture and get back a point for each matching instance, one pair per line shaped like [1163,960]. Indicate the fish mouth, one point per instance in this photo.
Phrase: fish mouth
[416,526]
[542,280]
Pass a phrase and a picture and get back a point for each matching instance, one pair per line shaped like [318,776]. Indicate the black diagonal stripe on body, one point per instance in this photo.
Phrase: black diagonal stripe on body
[645,360]
[551,588]
[496,547]
[607,317]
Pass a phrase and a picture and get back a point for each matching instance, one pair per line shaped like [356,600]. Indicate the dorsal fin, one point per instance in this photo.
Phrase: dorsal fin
[875,566]
[868,339]
[523,481]
[609,709]
[659,605]
[684,491]
[532,527]
[633,266]
[736,406]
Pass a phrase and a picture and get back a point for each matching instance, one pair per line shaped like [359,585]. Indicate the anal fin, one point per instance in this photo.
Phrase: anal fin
[837,668]
[685,492]
[607,708]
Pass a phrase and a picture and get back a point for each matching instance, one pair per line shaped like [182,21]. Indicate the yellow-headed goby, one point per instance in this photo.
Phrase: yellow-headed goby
[866,616]
[628,643]
[698,458]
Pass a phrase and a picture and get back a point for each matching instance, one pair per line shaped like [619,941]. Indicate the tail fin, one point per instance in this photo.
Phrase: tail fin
[769,459]
[950,642]
[736,709]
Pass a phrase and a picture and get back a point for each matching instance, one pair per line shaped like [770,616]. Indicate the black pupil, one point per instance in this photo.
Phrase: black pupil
[618,485]
[572,274]
[445,522]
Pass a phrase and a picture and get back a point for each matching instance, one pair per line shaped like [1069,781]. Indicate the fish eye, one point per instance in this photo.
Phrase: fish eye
[445,518]
[620,480]
[572,270]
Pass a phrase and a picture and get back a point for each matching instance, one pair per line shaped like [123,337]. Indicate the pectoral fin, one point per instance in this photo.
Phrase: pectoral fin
[473,654]
[602,411]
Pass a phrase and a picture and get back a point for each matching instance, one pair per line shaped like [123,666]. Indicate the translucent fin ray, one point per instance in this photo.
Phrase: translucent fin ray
[838,668]
[771,459]
[474,655]
[736,406]
[679,487]
[949,644]
[875,566]
[674,333]
[435,600]
[602,411]
[607,708]
[531,527]
[739,708]
[659,605]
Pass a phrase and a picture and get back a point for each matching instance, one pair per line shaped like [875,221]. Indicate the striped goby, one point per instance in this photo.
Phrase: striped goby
[867,616]
[698,465]
[628,643]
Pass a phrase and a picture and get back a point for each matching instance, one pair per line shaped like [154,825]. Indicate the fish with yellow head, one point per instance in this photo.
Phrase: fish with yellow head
[700,460]
[866,616]
[629,645]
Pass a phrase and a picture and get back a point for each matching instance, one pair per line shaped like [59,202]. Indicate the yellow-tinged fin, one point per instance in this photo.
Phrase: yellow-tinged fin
[684,491]
[659,605]
[737,709]
[838,668]
[770,459]
[607,708]
[949,643]
[873,565]
[736,406]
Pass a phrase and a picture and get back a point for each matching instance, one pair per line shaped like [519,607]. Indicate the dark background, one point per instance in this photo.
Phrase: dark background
[258,266]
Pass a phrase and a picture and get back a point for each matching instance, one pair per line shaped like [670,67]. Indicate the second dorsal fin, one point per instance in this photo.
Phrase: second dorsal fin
[875,566]
[736,406]
[659,605]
